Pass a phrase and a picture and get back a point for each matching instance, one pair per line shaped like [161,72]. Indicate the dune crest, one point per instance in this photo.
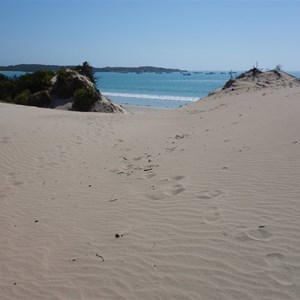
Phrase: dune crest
[255,79]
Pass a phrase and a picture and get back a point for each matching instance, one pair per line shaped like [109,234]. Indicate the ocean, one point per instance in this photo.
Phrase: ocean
[163,90]
[168,90]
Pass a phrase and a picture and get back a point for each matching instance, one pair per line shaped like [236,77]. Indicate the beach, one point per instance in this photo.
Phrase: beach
[200,202]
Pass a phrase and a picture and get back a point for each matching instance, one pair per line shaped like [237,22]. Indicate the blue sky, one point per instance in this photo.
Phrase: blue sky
[194,35]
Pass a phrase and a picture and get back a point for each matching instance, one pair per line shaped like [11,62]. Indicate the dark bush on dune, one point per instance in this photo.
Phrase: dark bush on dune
[37,81]
[62,87]
[23,98]
[87,71]
[17,90]
[85,99]
[6,88]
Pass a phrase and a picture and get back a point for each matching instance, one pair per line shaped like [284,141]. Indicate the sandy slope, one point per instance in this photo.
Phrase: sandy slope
[198,203]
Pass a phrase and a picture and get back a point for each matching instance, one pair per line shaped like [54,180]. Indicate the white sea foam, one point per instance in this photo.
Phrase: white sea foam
[152,97]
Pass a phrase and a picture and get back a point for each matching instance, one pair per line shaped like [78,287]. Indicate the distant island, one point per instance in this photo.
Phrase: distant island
[55,68]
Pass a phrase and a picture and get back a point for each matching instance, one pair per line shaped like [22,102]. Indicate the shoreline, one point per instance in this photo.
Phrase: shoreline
[142,109]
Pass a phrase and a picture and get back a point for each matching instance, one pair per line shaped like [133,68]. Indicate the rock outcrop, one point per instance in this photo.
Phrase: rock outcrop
[63,93]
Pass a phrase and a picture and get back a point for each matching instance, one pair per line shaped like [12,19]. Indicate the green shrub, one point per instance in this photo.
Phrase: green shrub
[23,98]
[86,70]
[84,99]
[37,81]
[18,88]
[63,75]
[62,87]
[6,88]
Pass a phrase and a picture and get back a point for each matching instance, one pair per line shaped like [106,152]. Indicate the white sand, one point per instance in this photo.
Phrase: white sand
[204,201]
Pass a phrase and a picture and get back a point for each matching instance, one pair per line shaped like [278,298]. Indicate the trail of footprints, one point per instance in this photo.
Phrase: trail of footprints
[172,186]
[144,168]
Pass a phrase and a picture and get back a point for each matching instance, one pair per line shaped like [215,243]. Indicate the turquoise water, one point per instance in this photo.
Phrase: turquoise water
[12,73]
[167,90]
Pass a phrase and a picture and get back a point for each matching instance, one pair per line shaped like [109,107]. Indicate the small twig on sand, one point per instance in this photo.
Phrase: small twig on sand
[113,199]
[98,255]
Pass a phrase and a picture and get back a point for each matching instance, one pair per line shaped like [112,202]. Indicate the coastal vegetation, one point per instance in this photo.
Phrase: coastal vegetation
[85,99]
[20,90]
[87,70]
[16,88]
[71,89]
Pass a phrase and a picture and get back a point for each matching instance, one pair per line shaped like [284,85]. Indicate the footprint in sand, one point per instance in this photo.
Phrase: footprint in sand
[280,271]
[172,179]
[212,214]
[171,191]
[174,190]
[259,234]
[209,194]
[167,188]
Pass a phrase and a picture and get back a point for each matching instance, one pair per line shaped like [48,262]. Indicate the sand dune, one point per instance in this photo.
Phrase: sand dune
[196,203]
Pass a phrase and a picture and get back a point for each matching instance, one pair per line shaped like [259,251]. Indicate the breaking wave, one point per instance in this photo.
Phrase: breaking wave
[152,97]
